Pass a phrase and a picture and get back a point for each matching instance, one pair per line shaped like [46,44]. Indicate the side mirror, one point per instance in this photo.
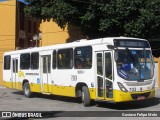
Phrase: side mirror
[111,47]
[116,57]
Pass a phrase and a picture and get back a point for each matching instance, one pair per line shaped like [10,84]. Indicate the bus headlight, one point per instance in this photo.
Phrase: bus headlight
[122,87]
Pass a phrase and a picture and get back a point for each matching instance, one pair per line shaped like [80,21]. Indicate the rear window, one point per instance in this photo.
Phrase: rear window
[7,62]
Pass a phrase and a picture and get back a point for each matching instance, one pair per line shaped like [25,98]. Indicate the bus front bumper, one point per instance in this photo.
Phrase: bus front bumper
[120,96]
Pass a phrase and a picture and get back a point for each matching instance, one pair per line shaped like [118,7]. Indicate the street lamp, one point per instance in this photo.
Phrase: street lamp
[36,38]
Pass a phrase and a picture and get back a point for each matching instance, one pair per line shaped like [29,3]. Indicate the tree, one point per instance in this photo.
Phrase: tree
[101,18]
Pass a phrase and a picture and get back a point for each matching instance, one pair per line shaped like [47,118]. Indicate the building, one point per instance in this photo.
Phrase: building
[17,31]
[7,29]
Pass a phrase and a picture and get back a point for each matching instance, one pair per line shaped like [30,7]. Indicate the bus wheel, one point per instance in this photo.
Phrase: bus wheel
[85,96]
[26,90]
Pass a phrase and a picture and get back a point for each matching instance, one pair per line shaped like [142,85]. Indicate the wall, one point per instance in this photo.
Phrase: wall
[10,23]
[157,71]
[53,34]
[7,29]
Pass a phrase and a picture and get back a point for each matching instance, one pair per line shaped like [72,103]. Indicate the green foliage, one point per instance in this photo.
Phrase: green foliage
[101,18]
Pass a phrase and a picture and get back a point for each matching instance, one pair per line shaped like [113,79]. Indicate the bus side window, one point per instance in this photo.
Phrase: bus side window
[83,57]
[65,59]
[60,57]
[25,61]
[108,65]
[15,66]
[34,60]
[54,62]
[7,62]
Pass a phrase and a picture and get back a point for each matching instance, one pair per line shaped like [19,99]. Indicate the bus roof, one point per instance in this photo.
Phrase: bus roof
[82,42]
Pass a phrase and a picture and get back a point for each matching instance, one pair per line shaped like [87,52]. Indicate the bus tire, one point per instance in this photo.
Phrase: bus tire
[85,96]
[26,90]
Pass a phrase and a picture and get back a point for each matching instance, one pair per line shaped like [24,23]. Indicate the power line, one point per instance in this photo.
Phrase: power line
[7,35]
[7,4]
[6,39]
[61,31]
[54,32]
[7,44]
[6,47]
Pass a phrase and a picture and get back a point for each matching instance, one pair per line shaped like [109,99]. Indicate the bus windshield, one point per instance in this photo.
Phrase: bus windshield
[134,65]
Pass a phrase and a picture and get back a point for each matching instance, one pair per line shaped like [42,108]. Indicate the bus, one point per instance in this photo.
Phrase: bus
[112,69]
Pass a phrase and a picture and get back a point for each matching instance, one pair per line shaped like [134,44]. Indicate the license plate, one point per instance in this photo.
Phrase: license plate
[141,98]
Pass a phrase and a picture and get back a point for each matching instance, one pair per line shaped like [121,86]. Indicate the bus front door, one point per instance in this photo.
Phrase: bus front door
[46,72]
[104,75]
[14,73]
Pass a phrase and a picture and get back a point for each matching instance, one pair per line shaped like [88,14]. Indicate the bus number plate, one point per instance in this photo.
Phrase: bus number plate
[132,89]
[141,98]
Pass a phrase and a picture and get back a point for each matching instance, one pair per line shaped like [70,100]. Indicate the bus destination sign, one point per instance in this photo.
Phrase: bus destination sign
[130,43]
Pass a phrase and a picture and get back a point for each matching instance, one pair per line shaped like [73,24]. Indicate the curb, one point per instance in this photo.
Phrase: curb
[2,87]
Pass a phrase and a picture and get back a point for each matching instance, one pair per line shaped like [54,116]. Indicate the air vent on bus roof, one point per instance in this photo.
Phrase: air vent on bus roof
[81,40]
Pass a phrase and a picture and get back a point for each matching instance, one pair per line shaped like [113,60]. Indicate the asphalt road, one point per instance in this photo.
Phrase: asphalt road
[13,100]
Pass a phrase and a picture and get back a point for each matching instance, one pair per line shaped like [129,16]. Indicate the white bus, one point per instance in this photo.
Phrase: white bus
[115,69]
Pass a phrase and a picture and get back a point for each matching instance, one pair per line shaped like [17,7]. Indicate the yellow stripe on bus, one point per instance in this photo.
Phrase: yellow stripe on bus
[53,89]
[118,96]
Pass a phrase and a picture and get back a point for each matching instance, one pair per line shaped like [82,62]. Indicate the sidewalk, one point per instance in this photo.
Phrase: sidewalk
[2,87]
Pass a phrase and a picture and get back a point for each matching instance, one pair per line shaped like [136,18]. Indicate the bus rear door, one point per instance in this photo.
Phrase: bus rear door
[45,72]
[14,67]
